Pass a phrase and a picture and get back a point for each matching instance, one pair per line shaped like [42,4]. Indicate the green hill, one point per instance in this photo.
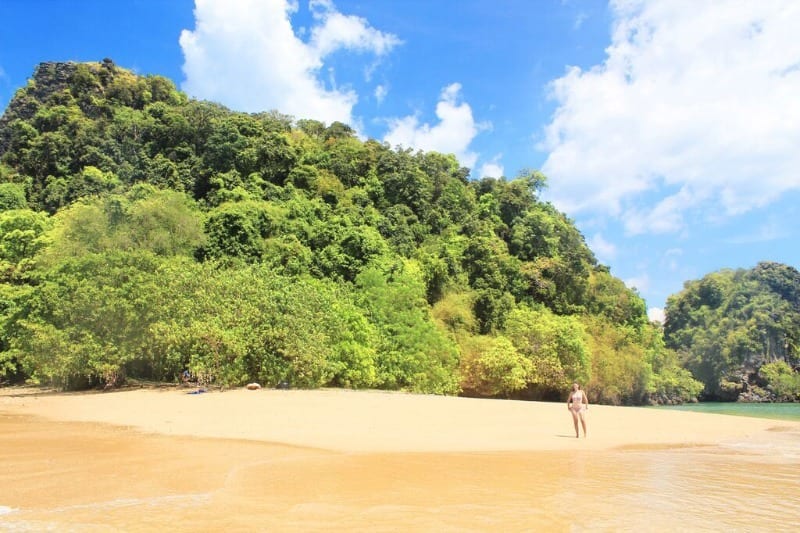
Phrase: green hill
[738,331]
[144,232]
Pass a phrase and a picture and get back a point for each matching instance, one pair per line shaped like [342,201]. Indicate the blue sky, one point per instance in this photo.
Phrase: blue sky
[668,129]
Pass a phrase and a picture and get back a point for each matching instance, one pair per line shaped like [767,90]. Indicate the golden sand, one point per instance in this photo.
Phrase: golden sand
[151,460]
[350,421]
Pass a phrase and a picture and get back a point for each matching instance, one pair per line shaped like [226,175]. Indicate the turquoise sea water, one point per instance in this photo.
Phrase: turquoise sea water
[778,411]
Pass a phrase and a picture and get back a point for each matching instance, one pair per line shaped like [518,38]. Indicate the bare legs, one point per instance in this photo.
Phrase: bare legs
[576,416]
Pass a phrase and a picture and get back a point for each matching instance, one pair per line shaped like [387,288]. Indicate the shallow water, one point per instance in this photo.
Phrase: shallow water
[776,411]
[89,477]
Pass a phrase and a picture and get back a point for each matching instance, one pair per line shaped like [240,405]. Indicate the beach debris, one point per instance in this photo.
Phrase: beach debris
[253,386]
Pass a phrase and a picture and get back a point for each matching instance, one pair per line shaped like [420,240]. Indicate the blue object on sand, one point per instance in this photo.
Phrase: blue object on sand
[198,391]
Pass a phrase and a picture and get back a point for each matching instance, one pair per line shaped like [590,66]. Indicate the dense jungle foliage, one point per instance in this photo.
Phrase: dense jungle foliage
[738,332]
[143,233]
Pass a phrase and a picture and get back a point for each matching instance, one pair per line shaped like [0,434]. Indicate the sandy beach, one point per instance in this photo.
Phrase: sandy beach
[346,460]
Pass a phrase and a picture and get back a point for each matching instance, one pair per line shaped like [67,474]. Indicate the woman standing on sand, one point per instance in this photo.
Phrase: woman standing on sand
[578,404]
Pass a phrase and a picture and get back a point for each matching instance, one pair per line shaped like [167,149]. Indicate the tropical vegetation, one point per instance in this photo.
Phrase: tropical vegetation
[144,233]
[738,331]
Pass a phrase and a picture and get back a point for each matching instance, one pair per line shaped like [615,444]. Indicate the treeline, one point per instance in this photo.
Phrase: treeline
[143,233]
[738,331]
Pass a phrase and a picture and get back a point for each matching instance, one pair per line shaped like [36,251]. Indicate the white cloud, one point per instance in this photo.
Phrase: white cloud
[671,257]
[656,314]
[452,135]
[639,283]
[380,92]
[694,108]
[246,55]
[771,230]
[604,250]
[579,20]
[493,168]
[338,31]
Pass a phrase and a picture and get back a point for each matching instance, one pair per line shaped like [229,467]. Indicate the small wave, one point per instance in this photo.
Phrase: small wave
[181,500]
[7,510]
[786,450]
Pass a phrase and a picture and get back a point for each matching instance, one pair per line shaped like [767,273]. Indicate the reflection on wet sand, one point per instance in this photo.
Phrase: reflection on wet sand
[87,477]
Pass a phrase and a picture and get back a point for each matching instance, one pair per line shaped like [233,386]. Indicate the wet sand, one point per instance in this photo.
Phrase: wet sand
[148,460]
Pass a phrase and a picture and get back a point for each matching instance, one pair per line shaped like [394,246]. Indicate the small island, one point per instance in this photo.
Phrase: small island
[154,247]
[146,234]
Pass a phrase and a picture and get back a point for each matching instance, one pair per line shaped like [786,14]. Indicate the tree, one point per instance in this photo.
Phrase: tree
[610,297]
[492,366]
[162,222]
[83,323]
[730,323]
[412,353]
[22,236]
[781,380]
[239,229]
[12,196]
[556,347]
[272,249]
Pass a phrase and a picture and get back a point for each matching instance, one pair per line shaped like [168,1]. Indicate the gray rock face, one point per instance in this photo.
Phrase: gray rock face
[48,77]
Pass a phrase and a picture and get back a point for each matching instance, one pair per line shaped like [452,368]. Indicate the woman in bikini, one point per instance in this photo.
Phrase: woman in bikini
[578,404]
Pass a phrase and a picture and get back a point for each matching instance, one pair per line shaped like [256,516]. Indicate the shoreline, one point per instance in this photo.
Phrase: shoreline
[377,421]
[339,460]
[789,411]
